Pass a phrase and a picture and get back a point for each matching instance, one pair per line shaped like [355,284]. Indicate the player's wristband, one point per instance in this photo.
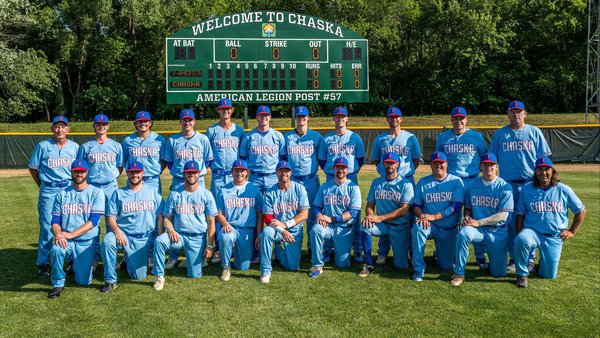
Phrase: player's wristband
[290,223]
[279,229]
[210,246]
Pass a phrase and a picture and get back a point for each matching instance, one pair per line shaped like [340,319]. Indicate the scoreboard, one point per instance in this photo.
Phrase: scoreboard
[266,57]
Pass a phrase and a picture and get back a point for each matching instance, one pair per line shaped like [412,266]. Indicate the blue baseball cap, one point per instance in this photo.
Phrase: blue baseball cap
[101,118]
[543,161]
[187,114]
[79,165]
[135,166]
[60,118]
[340,111]
[224,103]
[191,166]
[301,111]
[263,110]
[393,111]
[458,111]
[143,116]
[283,165]
[488,158]
[438,156]
[391,157]
[239,164]
[340,161]
[516,105]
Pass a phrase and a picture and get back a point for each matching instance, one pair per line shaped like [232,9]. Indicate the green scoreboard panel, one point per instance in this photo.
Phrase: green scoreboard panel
[266,57]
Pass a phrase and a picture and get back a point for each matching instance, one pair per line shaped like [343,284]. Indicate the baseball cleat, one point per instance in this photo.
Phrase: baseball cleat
[55,292]
[108,287]
[457,280]
[417,276]
[44,270]
[366,270]
[482,263]
[159,284]
[315,271]
[226,275]
[380,260]
[216,258]
[265,279]
[171,263]
[522,282]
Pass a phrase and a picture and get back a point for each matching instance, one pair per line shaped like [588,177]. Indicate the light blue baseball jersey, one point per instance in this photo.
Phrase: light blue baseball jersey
[390,195]
[302,151]
[190,209]
[284,205]
[239,204]
[75,207]
[225,145]
[180,150]
[485,201]
[463,151]
[434,196]
[348,145]
[405,145]
[545,210]
[135,212]
[149,151]
[52,162]
[517,151]
[262,150]
[336,199]
[104,160]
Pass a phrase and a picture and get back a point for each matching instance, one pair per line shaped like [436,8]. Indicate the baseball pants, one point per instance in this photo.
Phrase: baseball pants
[81,253]
[445,246]
[550,247]
[398,236]
[192,244]
[45,203]
[136,250]
[495,241]
[288,256]
[240,243]
[342,241]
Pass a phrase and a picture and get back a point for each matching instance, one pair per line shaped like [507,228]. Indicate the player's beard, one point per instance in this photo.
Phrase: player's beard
[78,179]
[340,175]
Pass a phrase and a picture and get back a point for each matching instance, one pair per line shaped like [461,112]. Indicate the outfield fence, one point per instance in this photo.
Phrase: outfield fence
[569,143]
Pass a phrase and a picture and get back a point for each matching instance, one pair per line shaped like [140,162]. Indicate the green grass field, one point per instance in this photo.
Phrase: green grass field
[338,303]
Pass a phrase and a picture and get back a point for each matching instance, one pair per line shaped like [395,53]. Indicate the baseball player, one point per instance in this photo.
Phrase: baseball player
[488,204]
[50,168]
[343,143]
[463,147]
[188,223]
[147,148]
[542,219]
[337,204]
[133,213]
[406,146]
[438,207]
[285,210]
[517,146]
[390,196]
[302,147]
[239,205]
[75,216]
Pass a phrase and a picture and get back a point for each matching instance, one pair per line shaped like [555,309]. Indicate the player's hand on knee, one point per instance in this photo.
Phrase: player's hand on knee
[471,222]
[227,228]
[174,236]
[63,243]
[288,237]
[121,239]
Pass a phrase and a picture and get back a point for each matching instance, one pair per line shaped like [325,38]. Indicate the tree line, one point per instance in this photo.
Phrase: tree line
[80,58]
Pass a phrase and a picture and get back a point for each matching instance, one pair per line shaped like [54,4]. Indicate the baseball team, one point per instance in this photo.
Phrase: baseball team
[506,200]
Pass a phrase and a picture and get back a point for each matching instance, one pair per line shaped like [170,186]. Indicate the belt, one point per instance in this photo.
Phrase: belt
[519,181]
[469,177]
[261,174]
[306,177]
[188,234]
[139,235]
[148,178]
[102,184]
[59,184]
[221,172]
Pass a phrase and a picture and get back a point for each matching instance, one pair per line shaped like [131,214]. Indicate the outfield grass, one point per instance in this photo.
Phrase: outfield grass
[338,303]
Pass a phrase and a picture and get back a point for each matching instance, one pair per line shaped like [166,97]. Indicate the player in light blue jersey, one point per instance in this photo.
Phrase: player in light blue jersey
[134,212]
[262,148]
[488,204]
[302,147]
[75,217]
[188,223]
[185,146]
[239,204]
[391,197]
[146,147]
[517,146]
[463,147]
[542,220]
[438,206]
[285,210]
[337,205]
[49,167]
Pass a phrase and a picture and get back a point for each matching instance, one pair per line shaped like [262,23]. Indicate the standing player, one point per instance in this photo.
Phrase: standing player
[75,217]
[406,146]
[239,204]
[438,207]
[133,213]
[285,209]
[391,195]
[188,223]
[463,147]
[348,145]
[517,146]
[337,205]
[302,146]
[542,220]
[49,167]
[488,204]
